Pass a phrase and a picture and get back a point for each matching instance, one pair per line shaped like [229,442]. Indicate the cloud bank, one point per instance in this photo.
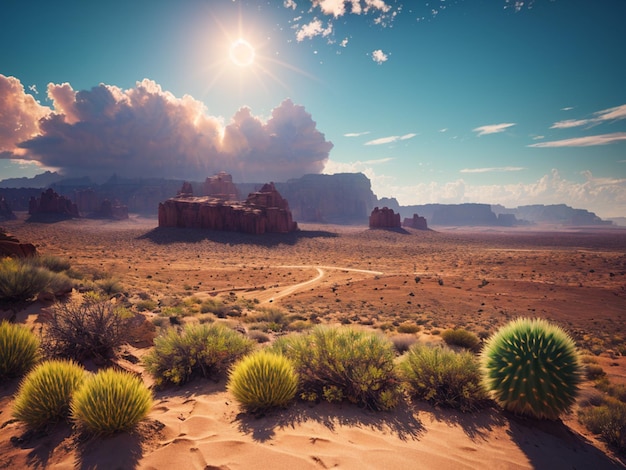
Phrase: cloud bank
[587,141]
[147,132]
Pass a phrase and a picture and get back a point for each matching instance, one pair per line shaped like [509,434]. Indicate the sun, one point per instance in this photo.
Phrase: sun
[241,53]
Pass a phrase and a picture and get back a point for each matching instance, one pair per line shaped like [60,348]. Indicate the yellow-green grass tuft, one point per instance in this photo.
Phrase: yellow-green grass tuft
[111,401]
[263,380]
[19,349]
[45,393]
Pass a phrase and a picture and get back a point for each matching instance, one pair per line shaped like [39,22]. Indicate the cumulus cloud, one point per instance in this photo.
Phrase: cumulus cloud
[390,139]
[356,134]
[379,56]
[493,128]
[492,169]
[587,141]
[148,132]
[610,114]
[338,8]
[313,29]
[19,115]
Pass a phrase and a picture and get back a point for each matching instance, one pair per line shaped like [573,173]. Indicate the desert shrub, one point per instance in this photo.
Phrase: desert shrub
[532,368]
[258,336]
[275,319]
[111,401]
[612,389]
[337,363]
[594,371]
[444,377]
[402,343]
[19,349]
[85,329]
[146,305]
[45,393]
[196,349]
[109,286]
[263,380]
[608,420]
[49,262]
[462,338]
[408,328]
[20,281]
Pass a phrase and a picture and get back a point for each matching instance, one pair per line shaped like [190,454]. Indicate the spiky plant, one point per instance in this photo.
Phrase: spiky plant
[45,393]
[263,380]
[532,368]
[111,401]
[18,349]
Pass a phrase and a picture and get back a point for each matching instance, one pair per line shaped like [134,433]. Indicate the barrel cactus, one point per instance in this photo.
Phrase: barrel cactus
[532,368]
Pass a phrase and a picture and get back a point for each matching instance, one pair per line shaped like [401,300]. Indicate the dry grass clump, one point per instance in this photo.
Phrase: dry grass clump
[87,328]
[21,279]
[462,338]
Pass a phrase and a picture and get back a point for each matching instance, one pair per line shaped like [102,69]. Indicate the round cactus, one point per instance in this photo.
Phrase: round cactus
[263,380]
[532,368]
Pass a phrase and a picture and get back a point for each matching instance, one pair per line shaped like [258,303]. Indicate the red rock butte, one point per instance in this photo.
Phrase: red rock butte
[384,218]
[264,211]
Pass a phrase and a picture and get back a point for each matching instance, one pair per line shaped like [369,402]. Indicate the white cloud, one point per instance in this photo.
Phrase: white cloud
[337,8]
[587,141]
[493,128]
[313,29]
[344,42]
[609,114]
[356,134]
[568,108]
[379,56]
[390,139]
[290,4]
[493,169]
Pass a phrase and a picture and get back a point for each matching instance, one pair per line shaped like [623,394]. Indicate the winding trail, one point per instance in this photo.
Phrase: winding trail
[271,295]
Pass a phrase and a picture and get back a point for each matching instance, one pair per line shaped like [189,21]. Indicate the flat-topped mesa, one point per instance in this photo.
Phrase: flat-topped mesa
[221,186]
[384,218]
[264,211]
[416,222]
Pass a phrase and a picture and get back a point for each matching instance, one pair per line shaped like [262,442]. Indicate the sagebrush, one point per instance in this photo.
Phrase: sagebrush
[19,349]
[196,349]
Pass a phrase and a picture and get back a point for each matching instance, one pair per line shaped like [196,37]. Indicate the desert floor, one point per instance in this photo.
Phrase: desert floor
[475,278]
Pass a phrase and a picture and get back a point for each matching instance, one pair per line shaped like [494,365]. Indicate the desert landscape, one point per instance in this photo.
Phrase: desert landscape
[404,282]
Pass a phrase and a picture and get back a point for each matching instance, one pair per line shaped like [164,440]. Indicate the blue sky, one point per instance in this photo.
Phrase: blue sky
[488,101]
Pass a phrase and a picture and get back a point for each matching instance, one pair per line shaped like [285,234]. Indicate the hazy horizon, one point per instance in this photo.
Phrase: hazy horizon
[506,102]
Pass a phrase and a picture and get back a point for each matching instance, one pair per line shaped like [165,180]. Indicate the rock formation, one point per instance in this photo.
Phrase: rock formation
[263,211]
[51,203]
[221,186]
[416,222]
[384,218]
[113,210]
[5,210]
[11,246]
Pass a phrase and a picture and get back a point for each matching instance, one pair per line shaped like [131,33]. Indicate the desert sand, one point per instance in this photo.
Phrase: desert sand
[474,278]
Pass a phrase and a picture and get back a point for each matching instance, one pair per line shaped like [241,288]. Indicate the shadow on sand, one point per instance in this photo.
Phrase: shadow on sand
[167,235]
[402,421]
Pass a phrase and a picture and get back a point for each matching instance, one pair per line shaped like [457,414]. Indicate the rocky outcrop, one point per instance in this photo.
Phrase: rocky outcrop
[50,203]
[5,210]
[262,212]
[221,186]
[550,214]
[86,201]
[11,246]
[384,218]
[416,222]
[113,210]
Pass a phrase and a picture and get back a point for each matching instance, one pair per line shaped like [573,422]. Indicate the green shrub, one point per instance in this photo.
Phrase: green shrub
[109,286]
[85,329]
[444,377]
[462,338]
[21,281]
[19,349]
[111,401]
[206,349]
[608,420]
[336,363]
[532,368]
[263,380]
[45,393]
[49,262]
[408,328]
[402,343]
[594,371]
[612,389]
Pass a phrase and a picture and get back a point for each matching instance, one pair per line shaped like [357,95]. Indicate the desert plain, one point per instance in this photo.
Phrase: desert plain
[476,278]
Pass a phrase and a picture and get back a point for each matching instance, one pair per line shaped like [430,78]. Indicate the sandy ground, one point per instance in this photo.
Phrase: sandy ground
[472,278]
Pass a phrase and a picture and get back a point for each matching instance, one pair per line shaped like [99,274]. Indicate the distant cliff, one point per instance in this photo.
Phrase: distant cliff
[343,198]
[552,214]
